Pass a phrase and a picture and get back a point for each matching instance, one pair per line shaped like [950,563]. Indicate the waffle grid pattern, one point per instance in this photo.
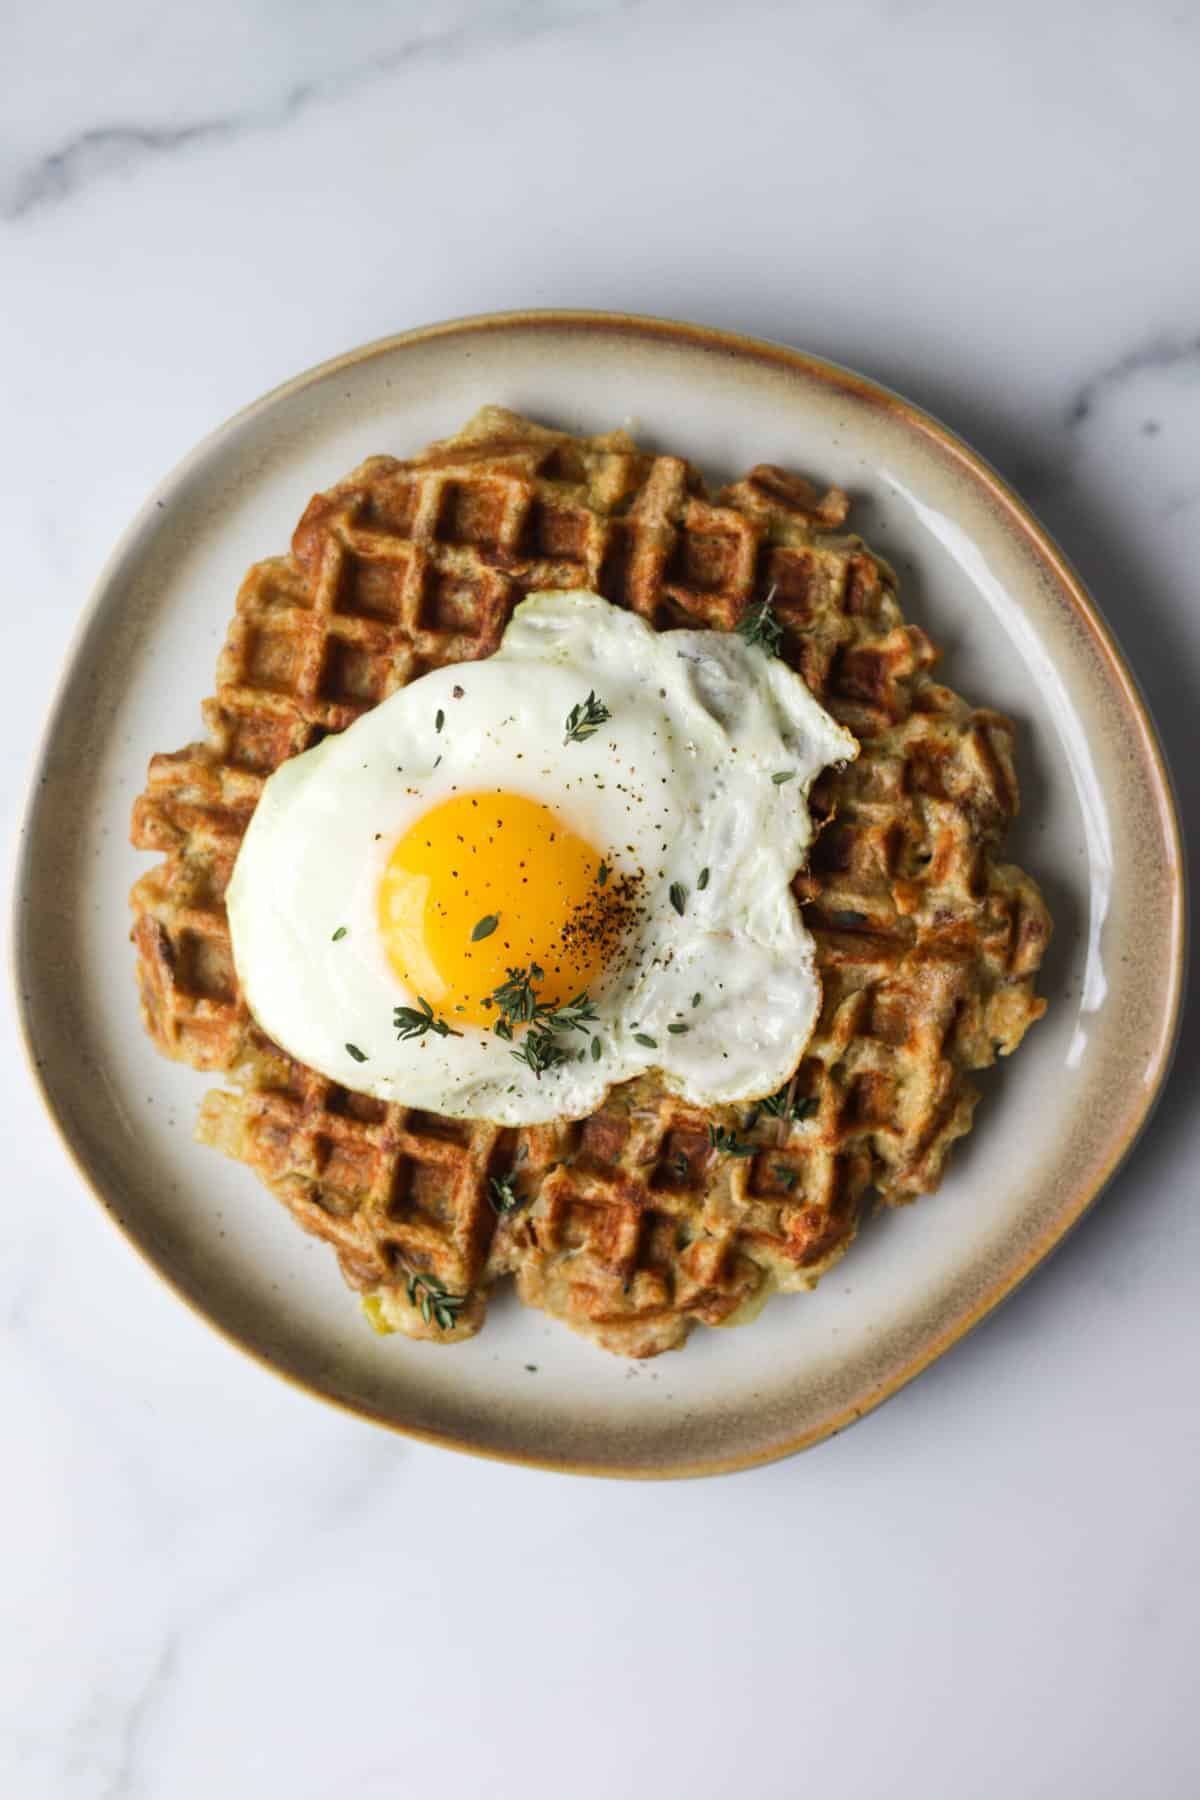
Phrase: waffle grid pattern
[631,1226]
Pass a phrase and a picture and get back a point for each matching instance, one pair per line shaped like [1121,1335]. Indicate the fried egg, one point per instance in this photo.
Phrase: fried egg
[519,881]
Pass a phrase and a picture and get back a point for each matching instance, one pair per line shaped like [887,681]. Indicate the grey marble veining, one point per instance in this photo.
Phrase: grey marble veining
[1169,354]
[104,149]
[211,1585]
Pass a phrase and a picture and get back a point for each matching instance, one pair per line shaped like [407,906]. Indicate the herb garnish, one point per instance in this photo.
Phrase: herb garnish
[429,1293]
[782,775]
[758,625]
[439,719]
[783,1105]
[516,999]
[677,895]
[602,873]
[503,1195]
[695,999]
[584,719]
[788,1176]
[721,1139]
[677,1030]
[576,1015]
[519,1005]
[642,1037]
[702,881]
[339,934]
[540,1051]
[485,927]
[356,1053]
[410,1023]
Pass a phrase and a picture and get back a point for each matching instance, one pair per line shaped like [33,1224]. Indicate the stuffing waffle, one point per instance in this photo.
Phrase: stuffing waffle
[632,1224]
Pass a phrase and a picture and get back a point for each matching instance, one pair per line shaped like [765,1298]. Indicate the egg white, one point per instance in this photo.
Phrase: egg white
[678,780]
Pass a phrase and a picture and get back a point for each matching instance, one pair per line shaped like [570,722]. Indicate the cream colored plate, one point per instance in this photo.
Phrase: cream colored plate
[1098,832]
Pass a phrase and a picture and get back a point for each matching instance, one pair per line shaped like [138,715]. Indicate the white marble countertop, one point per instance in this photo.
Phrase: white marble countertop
[214,1586]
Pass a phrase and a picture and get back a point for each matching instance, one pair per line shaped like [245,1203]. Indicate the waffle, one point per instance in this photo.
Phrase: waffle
[631,1226]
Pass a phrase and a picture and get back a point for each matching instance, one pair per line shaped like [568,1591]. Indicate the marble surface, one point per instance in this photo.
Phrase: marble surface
[214,1586]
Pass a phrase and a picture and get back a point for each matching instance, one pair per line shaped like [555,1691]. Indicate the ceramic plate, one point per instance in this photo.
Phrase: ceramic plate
[1098,831]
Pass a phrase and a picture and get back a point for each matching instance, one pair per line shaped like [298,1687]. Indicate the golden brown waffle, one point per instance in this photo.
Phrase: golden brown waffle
[631,1226]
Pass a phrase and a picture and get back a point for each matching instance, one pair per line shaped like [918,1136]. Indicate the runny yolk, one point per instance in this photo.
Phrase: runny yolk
[479,856]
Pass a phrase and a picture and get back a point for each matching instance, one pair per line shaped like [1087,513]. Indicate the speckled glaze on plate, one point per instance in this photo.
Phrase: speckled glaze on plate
[1098,830]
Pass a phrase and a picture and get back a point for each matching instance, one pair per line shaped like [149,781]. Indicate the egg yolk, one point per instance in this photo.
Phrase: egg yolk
[479,858]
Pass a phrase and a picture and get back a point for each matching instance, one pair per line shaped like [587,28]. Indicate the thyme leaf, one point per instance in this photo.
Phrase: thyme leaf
[541,1051]
[515,998]
[720,1138]
[576,1015]
[585,719]
[503,1195]
[411,1023]
[429,1293]
[758,625]
[783,1105]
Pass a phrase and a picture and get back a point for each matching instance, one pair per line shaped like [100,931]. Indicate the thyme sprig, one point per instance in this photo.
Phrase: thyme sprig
[575,1015]
[585,719]
[411,1023]
[758,625]
[503,1195]
[517,1000]
[541,1051]
[784,1105]
[430,1294]
[721,1138]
